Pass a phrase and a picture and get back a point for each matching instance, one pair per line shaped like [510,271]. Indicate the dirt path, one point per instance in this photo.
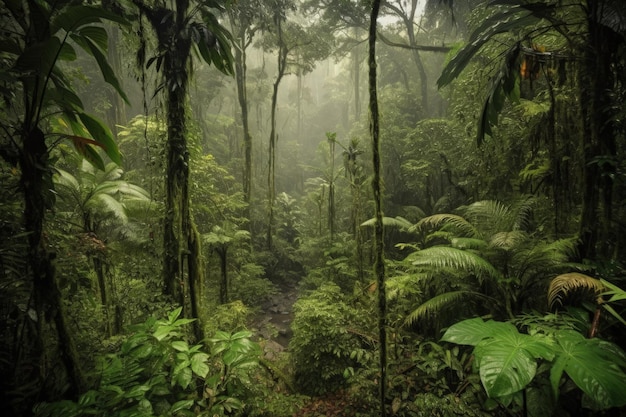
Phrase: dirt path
[272,323]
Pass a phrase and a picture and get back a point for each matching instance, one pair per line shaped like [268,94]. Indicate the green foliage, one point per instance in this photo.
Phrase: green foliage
[507,360]
[324,343]
[489,254]
[157,372]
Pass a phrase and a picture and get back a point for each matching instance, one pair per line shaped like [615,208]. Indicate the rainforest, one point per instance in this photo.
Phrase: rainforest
[304,208]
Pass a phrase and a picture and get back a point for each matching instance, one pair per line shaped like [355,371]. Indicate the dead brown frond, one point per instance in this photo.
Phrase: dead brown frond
[574,286]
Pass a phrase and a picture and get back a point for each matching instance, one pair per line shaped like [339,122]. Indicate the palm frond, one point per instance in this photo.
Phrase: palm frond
[436,221]
[392,222]
[436,304]
[66,180]
[508,240]
[490,216]
[523,210]
[448,257]
[109,204]
[566,285]
[466,243]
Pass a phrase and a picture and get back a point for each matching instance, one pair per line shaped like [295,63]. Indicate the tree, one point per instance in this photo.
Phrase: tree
[220,239]
[242,19]
[178,30]
[99,198]
[591,33]
[379,263]
[297,49]
[36,89]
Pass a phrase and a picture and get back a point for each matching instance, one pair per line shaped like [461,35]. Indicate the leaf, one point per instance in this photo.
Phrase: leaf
[181,405]
[97,34]
[74,17]
[469,332]
[199,364]
[566,284]
[173,315]
[162,331]
[502,22]
[437,303]
[180,345]
[506,358]
[507,361]
[184,376]
[102,135]
[107,72]
[593,367]
[448,257]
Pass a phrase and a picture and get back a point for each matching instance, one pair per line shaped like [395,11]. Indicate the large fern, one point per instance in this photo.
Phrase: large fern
[436,304]
[448,257]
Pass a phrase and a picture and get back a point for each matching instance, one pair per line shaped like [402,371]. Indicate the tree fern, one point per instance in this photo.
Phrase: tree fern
[448,257]
[435,305]
[458,223]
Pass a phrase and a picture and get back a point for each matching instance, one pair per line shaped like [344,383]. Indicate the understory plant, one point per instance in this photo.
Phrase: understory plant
[157,372]
[512,364]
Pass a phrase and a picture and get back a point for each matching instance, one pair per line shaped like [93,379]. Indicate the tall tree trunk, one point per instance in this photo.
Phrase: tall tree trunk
[271,175]
[596,82]
[46,294]
[356,76]
[242,96]
[379,265]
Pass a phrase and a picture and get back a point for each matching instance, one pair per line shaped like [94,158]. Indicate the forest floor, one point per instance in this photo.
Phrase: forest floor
[272,324]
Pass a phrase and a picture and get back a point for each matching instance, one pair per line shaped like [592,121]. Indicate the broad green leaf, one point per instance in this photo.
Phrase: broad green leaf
[107,72]
[67,52]
[137,391]
[181,405]
[468,332]
[231,356]
[184,376]
[172,316]
[90,154]
[74,17]
[162,331]
[593,367]
[102,135]
[504,368]
[199,364]
[39,58]
[97,34]
[180,345]
[182,322]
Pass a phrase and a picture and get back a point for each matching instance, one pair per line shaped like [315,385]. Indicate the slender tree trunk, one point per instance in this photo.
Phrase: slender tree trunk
[598,137]
[223,254]
[46,294]
[271,175]
[379,264]
[356,74]
[240,78]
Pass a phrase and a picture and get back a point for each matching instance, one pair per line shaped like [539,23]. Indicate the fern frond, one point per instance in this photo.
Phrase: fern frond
[466,243]
[490,216]
[393,222]
[523,213]
[566,285]
[508,240]
[447,257]
[108,203]
[436,304]
[437,221]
